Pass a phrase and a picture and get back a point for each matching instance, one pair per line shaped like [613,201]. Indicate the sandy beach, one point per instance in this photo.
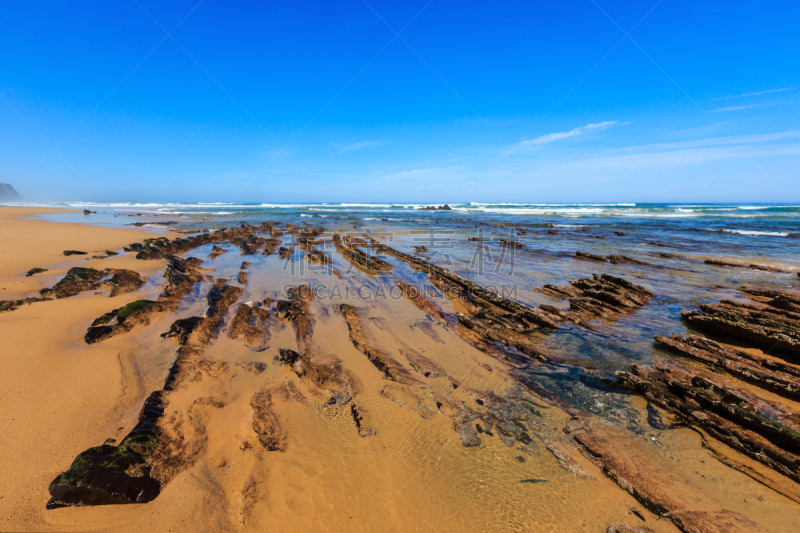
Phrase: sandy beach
[276,409]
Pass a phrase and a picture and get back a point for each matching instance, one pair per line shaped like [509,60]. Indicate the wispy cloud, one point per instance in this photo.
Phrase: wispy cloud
[748,106]
[757,93]
[553,137]
[350,147]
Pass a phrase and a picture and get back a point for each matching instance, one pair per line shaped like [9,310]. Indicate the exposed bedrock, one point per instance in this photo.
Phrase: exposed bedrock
[181,279]
[369,264]
[159,447]
[770,374]
[250,244]
[415,296]
[216,251]
[250,322]
[327,379]
[473,294]
[295,309]
[271,245]
[602,296]
[730,264]
[773,325]
[266,425]
[124,281]
[614,259]
[122,320]
[390,368]
[220,297]
[640,470]
[77,280]
[765,431]
[107,474]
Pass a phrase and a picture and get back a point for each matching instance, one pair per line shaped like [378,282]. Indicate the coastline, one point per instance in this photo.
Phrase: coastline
[29,242]
[420,469]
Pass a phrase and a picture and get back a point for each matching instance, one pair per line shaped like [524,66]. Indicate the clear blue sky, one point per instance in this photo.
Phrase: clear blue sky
[516,101]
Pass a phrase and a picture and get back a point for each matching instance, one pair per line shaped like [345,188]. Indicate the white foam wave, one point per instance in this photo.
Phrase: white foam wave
[753,233]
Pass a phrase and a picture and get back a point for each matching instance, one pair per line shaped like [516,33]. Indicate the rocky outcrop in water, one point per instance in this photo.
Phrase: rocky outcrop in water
[762,430]
[731,264]
[250,322]
[77,280]
[158,247]
[602,296]
[771,324]
[295,310]
[765,372]
[181,279]
[216,251]
[366,263]
[124,281]
[614,259]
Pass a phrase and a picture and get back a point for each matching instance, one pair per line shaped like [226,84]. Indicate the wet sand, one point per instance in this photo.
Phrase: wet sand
[414,463]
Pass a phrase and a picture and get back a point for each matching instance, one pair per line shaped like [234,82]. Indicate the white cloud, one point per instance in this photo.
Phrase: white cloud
[757,93]
[350,147]
[748,106]
[553,137]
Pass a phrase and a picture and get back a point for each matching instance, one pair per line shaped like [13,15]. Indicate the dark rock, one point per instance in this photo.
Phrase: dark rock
[73,252]
[366,263]
[220,298]
[602,296]
[770,374]
[182,328]
[763,430]
[36,270]
[113,475]
[77,280]
[124,281]
[10,305]
[770,327]
[87,212]
[722,263]
[592,257]
[444,207]
[216,251]
[122,320]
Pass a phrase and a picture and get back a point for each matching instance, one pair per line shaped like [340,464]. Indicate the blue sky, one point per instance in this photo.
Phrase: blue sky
[324,102]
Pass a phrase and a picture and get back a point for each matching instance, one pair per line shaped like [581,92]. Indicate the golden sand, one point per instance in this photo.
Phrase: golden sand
[61,396]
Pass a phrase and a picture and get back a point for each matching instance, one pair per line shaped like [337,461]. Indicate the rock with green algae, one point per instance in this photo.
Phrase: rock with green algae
[77,280]
[113,475]
[121,320]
